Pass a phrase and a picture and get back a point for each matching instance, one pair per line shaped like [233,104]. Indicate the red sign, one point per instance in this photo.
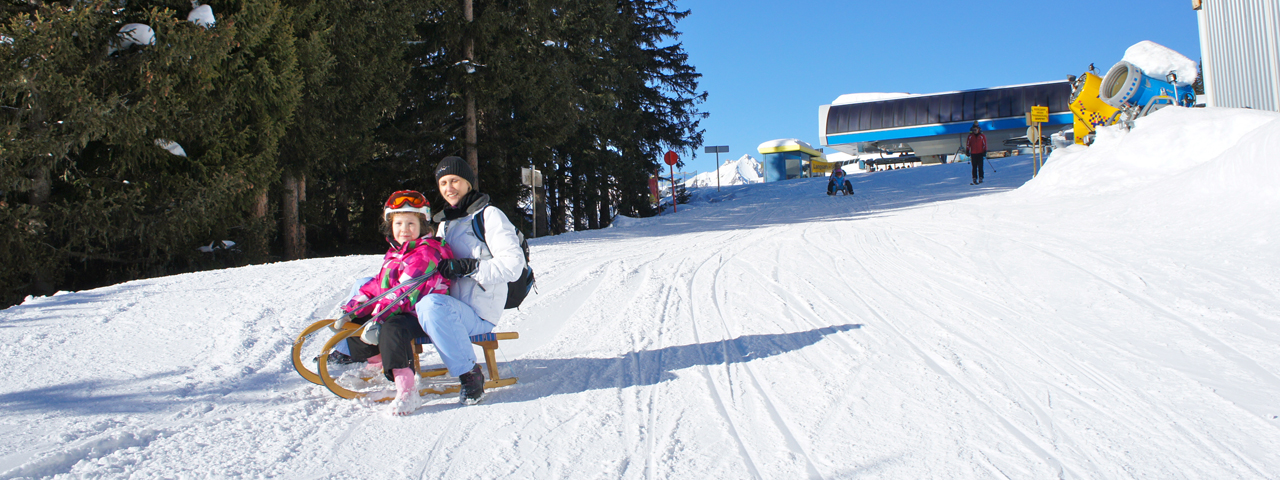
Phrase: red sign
[671,158]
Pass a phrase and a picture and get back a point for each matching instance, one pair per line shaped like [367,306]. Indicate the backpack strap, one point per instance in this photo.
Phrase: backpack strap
[477,226]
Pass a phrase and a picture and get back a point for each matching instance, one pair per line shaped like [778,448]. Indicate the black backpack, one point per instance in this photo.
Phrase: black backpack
[517,290]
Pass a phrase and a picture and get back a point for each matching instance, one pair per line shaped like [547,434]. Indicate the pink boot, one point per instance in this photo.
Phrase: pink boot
[407,399]
[373,365]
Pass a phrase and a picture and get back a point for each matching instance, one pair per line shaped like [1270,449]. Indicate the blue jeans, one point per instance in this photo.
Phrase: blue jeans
[451,323]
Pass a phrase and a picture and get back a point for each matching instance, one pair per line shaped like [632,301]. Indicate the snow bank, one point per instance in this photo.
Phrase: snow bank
[1158,61]
[1161,145]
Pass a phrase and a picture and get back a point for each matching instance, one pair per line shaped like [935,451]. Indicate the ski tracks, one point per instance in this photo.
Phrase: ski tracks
[741,387]
[912,281]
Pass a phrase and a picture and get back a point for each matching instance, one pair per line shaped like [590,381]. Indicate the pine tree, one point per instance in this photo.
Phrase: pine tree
[104,201]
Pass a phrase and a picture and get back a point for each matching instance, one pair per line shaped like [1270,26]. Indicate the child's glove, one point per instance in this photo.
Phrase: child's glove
[455,268]
[340,322]
[370,333]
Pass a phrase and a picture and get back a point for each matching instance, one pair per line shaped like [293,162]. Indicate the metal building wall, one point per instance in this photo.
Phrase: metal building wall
[1240,52]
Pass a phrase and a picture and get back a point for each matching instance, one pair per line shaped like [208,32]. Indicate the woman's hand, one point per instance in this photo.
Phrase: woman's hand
[455,268]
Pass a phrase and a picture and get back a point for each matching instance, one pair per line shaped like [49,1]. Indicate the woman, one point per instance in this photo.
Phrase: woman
[480,272]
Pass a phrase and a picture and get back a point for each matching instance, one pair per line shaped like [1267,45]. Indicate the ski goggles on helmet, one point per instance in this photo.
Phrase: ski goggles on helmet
[406,197]
[407,201]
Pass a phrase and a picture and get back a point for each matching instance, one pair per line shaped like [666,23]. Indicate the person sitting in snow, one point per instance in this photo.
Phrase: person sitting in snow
[386,344]
[837,182]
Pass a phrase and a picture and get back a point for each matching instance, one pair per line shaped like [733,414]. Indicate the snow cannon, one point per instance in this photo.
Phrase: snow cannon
[1126,85]
[1089,111]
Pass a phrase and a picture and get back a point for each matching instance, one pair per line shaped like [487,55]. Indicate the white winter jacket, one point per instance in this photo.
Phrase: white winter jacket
[501,262]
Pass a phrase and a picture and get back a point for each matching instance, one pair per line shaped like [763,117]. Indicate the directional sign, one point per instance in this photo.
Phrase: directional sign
[1040,114]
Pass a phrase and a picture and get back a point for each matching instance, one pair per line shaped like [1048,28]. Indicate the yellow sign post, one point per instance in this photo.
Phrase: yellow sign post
[1037,116]
[1040,114]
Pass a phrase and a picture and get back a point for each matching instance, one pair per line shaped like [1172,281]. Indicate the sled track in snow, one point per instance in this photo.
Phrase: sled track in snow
[783,426]
[1026,439]
[716,395]
[713,266]
[1158,310]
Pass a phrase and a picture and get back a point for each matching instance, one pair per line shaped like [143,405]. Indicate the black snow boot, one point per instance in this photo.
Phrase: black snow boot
[472,386]
[338,358]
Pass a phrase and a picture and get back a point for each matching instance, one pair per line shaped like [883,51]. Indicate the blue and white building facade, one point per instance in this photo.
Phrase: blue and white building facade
[936,124]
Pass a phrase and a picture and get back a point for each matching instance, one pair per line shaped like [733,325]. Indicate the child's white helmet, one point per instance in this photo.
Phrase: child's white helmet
[407,201]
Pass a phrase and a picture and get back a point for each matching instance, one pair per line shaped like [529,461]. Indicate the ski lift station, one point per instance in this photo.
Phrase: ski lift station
[934,125]
[788,158]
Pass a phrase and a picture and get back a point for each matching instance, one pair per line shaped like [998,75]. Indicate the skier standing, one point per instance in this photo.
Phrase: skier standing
[976,147]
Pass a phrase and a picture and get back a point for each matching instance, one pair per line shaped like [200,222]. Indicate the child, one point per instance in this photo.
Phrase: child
[387,342]
[837,183]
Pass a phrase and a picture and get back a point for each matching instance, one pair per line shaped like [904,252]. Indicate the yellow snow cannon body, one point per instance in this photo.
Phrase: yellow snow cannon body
[1089,110]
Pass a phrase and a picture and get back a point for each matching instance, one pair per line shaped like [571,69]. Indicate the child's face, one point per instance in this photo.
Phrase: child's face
[405,227]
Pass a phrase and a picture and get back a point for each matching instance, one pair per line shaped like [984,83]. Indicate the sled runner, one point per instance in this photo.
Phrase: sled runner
[322,376]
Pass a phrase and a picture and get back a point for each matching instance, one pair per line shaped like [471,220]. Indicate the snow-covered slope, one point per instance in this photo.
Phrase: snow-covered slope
[1115,317]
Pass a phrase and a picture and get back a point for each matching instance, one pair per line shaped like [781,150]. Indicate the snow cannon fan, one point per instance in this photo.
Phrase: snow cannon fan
[1126,84]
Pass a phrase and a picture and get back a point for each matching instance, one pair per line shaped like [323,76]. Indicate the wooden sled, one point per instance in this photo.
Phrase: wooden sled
[487,341]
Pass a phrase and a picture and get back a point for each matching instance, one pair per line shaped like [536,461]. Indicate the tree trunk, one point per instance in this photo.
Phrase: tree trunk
[539,212]
[256,243]
[41,186]
[554,221]
[341,213]
[301,225]
[593,202]
[579,205]
[41,181]
[289,214]
[472,140]
[566,193]
[606,206]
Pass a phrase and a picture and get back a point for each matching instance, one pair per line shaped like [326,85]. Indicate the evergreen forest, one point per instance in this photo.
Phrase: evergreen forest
[138,136]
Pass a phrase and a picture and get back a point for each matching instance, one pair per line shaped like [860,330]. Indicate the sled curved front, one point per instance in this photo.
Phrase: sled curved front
[299,363]
[323,365]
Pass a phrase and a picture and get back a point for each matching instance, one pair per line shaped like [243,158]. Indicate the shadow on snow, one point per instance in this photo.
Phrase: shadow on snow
[545,377]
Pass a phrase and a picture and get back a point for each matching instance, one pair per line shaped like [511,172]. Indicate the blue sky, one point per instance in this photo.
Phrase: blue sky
[768,65]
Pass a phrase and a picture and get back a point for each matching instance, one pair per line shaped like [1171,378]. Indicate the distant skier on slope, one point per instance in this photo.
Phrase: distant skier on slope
[976,146]
[386,344]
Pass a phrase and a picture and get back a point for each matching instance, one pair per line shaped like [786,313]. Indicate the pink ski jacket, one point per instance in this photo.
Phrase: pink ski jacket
[401,264]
